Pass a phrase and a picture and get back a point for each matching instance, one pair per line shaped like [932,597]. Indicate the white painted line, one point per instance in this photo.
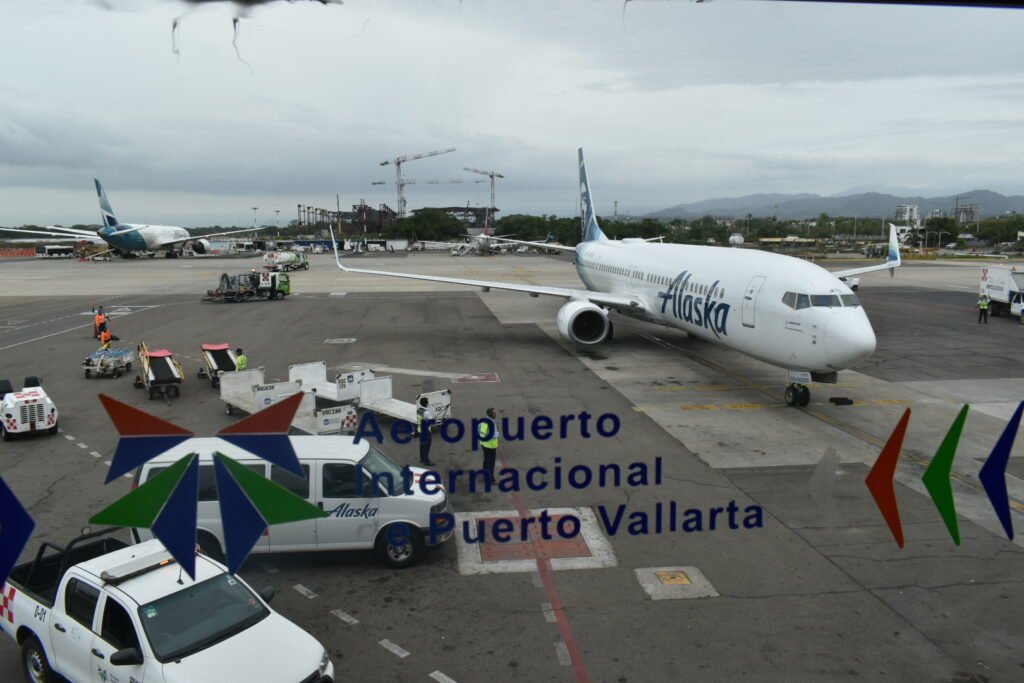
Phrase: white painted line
[45,336]
[128,476]
[69,437]
[441,678]
[344,616]
[563,654]
[340,340]
[537,581]
[302,590]
[95,454]
[549,613]
[388,645]
[107,463]
[268,568]
[338,293]
[81,445]
[959,287]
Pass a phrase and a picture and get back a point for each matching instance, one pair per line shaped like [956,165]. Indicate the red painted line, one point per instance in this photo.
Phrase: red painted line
[544,568]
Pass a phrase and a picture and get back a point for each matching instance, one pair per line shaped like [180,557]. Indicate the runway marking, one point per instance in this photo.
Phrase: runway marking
[95,454]
[45,336]
[340,340]
[958,287]
[338,293]
[549,614]
[302,590]
[395,649]
[69,437]
[562,652]
[441,678]
[344,616]
[81,445]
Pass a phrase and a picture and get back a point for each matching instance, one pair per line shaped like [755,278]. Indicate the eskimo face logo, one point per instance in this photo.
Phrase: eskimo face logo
[167,504]
[695,309]
[939,474]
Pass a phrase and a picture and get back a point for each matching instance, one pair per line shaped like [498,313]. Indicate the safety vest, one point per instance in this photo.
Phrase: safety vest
[420,412]
[241,362]
[98,319]
[983,304]
[105,337]
[488,426]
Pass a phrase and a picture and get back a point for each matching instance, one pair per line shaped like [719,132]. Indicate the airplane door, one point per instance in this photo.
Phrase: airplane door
[750,297]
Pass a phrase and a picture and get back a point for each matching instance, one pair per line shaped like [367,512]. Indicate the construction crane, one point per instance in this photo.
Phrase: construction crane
[411,181]
[400,183]
[492,174]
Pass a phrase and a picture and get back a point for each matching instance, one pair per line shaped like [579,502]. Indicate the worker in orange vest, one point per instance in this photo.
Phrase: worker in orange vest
[98,322]
[105,338]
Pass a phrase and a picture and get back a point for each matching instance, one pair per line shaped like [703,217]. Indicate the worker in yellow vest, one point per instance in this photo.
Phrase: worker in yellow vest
[983,304]
[241,362]
[488,432]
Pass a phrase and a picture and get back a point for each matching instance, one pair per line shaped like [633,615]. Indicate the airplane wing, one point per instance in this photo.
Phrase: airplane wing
[57,236]
[892,259]
[634,303]
[543,245]
[72,231]
[212,234]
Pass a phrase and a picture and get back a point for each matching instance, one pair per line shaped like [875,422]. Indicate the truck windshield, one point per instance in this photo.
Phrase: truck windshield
[376,463]
[200,616]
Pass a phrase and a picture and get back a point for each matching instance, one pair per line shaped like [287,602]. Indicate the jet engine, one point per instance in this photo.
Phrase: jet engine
[201,246]
[583,322]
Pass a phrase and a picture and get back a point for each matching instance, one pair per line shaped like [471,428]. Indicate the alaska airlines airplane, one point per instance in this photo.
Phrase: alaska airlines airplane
[128,238]
[779,309]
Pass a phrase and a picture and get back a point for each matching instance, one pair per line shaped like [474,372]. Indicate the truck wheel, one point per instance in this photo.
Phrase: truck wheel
[4,434]
[210,547]
[228,409]
[115,373]
[128,366]
[88,373]
[400,545]
[175,391]
[33,657]
[53,429]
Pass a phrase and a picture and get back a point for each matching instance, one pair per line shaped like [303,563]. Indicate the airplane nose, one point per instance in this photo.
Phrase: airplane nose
[848,340]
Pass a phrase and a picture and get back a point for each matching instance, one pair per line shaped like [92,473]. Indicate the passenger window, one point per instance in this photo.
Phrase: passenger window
[789,298]
[118,629]
[80,602]
[339,481]
[803,301]
[299,487]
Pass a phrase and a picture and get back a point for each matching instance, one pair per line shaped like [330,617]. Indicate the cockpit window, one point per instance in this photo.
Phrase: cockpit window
[789,298]
[829,300]
[802,301]
[850,299]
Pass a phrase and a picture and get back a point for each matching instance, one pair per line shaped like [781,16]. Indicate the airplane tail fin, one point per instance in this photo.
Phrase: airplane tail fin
[892,258]
[106,211]
[591,231]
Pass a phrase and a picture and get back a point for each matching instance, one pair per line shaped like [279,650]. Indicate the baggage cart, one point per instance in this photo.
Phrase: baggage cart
[108,363]
[161,374]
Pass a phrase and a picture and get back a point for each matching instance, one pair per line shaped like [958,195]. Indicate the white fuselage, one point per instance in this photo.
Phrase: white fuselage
[737,298]
[144,238]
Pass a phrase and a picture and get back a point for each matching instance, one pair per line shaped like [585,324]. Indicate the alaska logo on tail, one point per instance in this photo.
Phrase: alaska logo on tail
[106,211]
[591,230]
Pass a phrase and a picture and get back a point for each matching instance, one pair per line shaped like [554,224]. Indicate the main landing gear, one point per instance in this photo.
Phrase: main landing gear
[797,395]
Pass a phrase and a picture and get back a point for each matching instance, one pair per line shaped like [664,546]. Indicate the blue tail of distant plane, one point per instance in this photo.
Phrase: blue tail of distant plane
[591,230]
[109,219]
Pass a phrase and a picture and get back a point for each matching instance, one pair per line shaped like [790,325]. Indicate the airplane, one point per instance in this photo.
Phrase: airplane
[473,244]
[128,238]
[778,309]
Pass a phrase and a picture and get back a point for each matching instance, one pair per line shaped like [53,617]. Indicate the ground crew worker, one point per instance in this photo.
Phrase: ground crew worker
[983,309]
[241,362]
[98,322]
[488,432]
[105,338]
[423,431]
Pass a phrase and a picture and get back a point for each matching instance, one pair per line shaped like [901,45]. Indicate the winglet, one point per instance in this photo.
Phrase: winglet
[893,255]
[337,257]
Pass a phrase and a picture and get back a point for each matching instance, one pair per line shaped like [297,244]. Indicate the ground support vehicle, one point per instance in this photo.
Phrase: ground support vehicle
[1004,286]
[285,261]
[101,610]
[248,391]
[367,391]
[219,358]
[108,363]
[250,286]
[26,411]
[160,373]
[365,493]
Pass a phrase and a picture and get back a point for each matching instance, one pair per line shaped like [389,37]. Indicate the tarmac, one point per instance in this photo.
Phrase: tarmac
[819,590]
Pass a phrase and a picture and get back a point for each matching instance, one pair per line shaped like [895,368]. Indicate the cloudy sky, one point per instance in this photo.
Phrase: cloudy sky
[672,101]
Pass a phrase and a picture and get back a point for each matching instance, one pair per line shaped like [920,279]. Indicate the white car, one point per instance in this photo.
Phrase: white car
[851,282]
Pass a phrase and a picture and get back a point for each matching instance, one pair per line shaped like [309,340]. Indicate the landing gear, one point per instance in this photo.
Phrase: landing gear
[797,395]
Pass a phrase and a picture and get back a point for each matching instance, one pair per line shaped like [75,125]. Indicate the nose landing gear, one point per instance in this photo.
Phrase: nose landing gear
[797,395]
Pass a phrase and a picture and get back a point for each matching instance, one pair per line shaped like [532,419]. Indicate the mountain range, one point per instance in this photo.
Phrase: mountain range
[866,204]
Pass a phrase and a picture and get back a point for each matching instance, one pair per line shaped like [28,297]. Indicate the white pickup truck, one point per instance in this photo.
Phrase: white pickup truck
[101,611]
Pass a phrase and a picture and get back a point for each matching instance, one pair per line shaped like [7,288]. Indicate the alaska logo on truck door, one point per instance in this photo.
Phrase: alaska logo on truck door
[700,310]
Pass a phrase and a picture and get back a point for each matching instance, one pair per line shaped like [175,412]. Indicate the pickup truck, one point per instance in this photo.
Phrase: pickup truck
[99,610]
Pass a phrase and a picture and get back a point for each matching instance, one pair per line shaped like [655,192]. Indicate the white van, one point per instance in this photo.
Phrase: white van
[359,516]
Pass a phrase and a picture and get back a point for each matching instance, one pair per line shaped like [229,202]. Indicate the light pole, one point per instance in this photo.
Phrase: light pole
[254,217]
[941,233]
[277,216]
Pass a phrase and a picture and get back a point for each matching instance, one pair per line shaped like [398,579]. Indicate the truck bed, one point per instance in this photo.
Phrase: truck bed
[41,576]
